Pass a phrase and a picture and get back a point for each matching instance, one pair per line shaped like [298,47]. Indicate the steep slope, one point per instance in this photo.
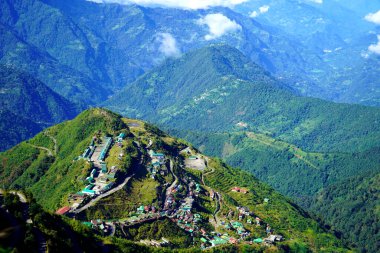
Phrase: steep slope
[14,129]
[345,203]
[297,145]
[185,197]
[28,97]
[217,99]
[66,81]
[128,40]
[326,29]
[33,105]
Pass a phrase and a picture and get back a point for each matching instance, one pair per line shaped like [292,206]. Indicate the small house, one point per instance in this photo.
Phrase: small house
[64,210]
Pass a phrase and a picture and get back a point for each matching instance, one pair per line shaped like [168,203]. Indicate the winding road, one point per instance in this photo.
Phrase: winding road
[93,201]
[49,151]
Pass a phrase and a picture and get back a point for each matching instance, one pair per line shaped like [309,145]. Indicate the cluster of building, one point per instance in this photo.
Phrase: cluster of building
[100,179]
[98,225]
[157,165]
[241,190]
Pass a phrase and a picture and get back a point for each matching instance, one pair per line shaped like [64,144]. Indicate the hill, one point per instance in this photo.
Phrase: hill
[298,145]
[354,199]
[14,129]
[30,105]
[158,182]
[64,80]
[180,94]
[69,38]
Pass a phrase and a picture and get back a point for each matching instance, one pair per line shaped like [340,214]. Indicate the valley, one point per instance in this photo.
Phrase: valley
[286,92]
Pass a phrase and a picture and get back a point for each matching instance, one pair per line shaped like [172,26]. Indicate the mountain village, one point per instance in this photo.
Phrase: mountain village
[104,179]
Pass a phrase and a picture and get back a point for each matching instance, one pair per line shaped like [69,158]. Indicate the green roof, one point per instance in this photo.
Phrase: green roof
[88,191]
[88,224]
[218,241]
[237,224]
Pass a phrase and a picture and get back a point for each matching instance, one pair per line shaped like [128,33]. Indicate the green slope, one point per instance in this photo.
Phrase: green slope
[62,174]
[30,98]
[354,199]
[14,129]
[64,80]
[200,92]
[50,177]
[298,145]
[28,106]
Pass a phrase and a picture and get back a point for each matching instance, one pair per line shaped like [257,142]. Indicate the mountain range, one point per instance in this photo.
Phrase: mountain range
[111,52]
[286,90]
[238,111]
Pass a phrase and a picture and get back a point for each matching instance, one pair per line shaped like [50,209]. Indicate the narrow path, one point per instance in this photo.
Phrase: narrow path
[50,153]
[20,195]
[170,188]
[55,142]
[254,137]
[150,143]
[218,206]
[93,201]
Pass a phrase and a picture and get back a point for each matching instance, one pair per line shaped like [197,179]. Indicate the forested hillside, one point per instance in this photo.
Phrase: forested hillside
[298,145]
[28,106]
[233,91]
[53,172]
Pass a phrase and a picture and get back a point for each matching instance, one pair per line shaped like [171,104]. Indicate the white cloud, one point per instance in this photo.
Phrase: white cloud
[182,4]
[375,48]
[168,45]
[254,14]
[317,1]
[263,9]
[218,25]
[373,17]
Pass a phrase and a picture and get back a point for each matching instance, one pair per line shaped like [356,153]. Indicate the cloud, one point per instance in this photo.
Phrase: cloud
[263,9]
[182,4]
[373,17]
[316,1]
[375,48]
[168,45]
[218,25]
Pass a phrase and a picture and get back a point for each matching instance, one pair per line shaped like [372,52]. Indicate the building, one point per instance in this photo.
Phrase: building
[121,137]
[235,189]
[217,241]
[88,192]
[104,167]
[243,190]
[105,149]
[64,210]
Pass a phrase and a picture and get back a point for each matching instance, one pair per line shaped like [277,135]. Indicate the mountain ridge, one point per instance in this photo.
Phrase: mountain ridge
[285,217]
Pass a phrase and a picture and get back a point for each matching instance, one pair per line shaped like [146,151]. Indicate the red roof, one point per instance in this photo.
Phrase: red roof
[63,210]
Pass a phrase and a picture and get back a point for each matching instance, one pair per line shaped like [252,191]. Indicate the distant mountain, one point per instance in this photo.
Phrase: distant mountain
[326,30]
[205,195]
[14,129]
[107,46]
[28,106]
[298,145]
[215,88]
[66,81]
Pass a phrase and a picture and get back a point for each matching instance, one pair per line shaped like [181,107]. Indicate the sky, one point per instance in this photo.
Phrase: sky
[184,4]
